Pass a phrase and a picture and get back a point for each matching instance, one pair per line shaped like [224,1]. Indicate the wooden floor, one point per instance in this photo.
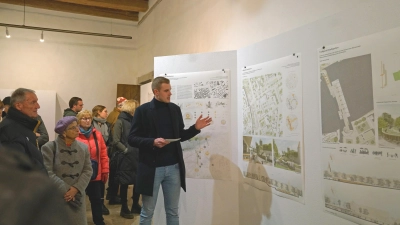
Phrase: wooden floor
[114,218]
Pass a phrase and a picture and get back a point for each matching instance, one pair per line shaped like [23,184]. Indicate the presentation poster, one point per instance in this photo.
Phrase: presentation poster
[208,94]
[273,126]
[360,139]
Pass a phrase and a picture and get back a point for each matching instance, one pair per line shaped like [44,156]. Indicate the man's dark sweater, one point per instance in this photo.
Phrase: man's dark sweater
[167,155]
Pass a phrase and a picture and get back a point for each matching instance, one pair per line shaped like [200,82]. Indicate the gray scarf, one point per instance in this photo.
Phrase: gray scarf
[100,125]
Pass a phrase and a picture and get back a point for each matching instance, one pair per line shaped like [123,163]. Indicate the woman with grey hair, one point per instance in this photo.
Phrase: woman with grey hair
[68,164]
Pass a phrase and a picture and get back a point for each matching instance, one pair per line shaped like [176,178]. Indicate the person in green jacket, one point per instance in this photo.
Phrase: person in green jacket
[75,106]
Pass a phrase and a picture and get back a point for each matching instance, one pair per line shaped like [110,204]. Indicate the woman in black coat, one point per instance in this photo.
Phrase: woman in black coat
[127,158]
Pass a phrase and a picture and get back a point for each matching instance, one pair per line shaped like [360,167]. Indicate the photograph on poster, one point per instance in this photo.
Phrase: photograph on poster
[204,94]
[287,155]
[360,140]
[272,126]
[388,125]
[257,150]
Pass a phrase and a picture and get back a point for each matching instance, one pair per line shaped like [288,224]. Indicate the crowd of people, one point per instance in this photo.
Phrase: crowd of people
[128,147]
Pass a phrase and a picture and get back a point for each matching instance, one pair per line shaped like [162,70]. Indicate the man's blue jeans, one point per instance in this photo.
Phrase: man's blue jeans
[168,177]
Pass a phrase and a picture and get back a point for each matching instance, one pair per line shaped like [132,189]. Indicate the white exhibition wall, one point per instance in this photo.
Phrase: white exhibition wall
[233,202]
[146,94]
[72,65]
[186,27]
[47,102]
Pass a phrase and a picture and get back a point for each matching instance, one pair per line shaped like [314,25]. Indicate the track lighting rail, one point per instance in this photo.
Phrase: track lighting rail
[64,31]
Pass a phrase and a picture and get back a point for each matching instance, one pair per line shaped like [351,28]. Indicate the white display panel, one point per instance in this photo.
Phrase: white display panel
[207,201]
[205,94]
[146,94]
[273,127]
[360,117]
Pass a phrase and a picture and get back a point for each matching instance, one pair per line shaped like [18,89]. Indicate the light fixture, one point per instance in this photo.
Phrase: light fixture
[41,37]
[64,31]
[7,34]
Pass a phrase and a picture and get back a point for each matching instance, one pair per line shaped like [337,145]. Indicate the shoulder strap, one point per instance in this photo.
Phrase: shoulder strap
[97,145]
[54,153]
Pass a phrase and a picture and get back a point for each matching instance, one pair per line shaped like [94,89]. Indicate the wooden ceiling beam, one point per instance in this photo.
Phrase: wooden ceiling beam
[76,8]
[126,5]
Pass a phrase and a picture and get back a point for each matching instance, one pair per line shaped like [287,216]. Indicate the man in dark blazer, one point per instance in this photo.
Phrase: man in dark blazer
[161,161]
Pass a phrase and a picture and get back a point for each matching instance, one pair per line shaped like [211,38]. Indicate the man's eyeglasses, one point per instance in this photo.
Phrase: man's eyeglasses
[84,118]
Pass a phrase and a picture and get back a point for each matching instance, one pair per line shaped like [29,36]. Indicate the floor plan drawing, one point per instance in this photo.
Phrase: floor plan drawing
[263,99]
[347,101]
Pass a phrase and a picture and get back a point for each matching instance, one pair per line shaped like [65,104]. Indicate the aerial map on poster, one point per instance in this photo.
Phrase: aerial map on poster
[273,127]
[205,93]
[360,140]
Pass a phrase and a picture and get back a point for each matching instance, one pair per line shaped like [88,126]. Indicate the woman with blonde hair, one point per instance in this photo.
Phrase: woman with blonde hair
[127,159]
[89,136]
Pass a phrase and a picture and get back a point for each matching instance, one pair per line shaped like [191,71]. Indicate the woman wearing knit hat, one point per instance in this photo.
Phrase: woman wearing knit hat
[68,164]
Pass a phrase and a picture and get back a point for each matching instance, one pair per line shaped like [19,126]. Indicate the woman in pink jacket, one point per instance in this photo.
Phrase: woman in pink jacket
[98,151]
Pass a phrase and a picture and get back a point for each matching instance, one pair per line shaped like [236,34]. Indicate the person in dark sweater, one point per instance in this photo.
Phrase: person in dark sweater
[161,161]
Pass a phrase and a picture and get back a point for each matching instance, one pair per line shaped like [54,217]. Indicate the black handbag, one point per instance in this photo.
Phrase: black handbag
[95,163]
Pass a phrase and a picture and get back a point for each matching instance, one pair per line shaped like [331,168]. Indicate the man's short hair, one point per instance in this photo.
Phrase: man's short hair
[158,81]
[74,101]
[19,95]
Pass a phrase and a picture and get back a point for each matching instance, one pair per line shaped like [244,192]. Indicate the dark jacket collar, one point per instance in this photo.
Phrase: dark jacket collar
[125,116]
[24,120]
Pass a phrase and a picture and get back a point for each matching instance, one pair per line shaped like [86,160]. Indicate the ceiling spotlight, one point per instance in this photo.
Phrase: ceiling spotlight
[41,37]
[7,34]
